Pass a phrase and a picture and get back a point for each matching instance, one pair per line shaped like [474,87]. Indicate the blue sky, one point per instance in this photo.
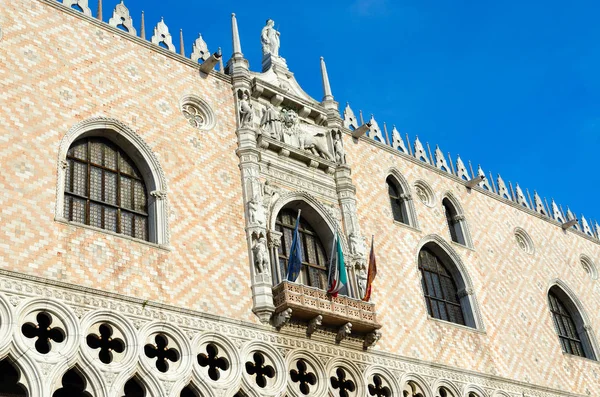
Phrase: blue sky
[511,85]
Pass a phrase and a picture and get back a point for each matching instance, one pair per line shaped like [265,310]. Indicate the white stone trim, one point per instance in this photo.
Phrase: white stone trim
[464,225]
[142,155]
[246,337]
[464,283]
[409,205]
[580,315]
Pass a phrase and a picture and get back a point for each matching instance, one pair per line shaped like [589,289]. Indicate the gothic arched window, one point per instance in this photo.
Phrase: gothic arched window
[398,200]
[104,189]
[571,330]
[456,223]
[439,287]
[314,265]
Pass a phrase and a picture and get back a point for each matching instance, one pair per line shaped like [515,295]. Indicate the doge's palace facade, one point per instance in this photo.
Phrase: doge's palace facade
[148,202]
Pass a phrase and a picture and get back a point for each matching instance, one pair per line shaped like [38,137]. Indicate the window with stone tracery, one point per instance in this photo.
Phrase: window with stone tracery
[456,223]
[568,323]
[314,265]
[104,189]
[397,201]
[439,287]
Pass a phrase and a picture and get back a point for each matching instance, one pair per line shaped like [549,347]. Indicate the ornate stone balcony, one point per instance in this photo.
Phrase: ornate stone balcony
[307,303]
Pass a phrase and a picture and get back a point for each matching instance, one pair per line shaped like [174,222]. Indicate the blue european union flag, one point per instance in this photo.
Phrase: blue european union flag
[295,259]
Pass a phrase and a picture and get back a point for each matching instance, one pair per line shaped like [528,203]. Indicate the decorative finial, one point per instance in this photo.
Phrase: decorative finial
[181,46]
[143,28]
[326,87]
[237,46]
[99,13]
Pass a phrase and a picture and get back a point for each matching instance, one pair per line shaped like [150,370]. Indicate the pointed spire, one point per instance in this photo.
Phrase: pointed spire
[397,142]
[200,50]
[143,28]
[420,153]
[521,197]
[375,131]
[557,214]
[328,96]
[122,19]
[440,160]
[461,170]
[237,46]
[181,46]
[502,189]
[538,204]
[99,13]
[484,184]
[586,226]
[350,121]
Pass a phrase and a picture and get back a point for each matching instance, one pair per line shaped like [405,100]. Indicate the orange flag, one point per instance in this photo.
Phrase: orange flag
[372,271]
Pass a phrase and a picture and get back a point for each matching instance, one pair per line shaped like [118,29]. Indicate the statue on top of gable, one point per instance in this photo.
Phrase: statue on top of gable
[269,38]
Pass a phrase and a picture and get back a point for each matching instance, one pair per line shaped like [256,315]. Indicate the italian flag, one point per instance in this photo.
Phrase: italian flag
[338,278]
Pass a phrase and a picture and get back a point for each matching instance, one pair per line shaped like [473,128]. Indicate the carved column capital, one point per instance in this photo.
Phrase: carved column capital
[406,197]
[458,218]
[159,194]
[465,292]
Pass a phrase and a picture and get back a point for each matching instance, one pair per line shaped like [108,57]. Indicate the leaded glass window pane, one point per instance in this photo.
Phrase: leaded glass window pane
[314,267]
[103,188]
[439,289]
[396,202]
[570,339]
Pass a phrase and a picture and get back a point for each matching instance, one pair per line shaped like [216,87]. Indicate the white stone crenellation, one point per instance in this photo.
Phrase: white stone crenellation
[499,188]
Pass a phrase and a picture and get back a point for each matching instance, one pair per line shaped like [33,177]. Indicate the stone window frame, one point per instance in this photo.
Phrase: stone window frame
[460,225]
[144,158]
[322,222]
[579,315]
[407,204]
[465,288]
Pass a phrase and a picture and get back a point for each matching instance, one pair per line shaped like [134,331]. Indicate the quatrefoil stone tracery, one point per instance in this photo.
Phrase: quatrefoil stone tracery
[212,360]
[162,352]
[106,343]
[44,333]
[193,115]
[260,369]
[345,386]
[303,376]
[378,389]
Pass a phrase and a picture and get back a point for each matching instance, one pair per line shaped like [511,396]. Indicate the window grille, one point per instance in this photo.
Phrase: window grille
[104,189]
[440,289]
[565,327]
[315,262]
[397,202]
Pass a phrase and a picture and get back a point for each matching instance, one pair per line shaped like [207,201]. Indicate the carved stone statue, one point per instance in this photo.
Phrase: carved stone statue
[357,245]
[256,211]
[270,193]
[270,124]
[362,281]
[269,38]
[261,255]
[246,114]
[314,142]
[338,148]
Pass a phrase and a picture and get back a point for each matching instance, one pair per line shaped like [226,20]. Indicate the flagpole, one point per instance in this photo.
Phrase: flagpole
[294,257]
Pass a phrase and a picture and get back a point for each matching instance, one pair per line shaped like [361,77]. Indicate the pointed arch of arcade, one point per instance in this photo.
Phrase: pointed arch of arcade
[559,291]
[126,139]
[453,263]
[401,199]
[318,217]
[16,379]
